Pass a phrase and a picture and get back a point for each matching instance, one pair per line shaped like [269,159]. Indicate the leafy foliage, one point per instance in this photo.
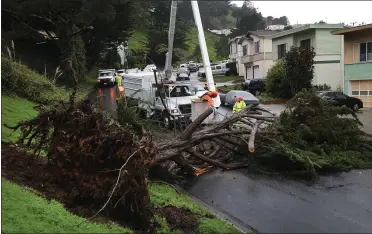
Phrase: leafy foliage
[299,69]
[283,20]
[314,135]
[275,84]
[247,19]
[292,73]
[323,87]
[19,79]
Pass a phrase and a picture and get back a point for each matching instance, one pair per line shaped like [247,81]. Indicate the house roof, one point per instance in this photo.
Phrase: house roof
[261,33]
[236,39]
[353,29]
[306,27]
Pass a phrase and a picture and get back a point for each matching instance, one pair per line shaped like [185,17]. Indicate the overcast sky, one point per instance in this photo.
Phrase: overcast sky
[303,12]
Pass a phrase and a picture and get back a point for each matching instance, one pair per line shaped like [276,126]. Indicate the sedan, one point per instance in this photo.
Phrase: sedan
[341,99]
[229,97]
[183,77]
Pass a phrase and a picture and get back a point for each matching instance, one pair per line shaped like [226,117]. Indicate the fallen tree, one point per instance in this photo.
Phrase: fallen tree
[103,164]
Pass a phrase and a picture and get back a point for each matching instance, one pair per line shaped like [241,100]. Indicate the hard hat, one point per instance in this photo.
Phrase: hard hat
[213,94]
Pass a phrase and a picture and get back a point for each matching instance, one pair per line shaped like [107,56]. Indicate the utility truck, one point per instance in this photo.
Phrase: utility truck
[177,97]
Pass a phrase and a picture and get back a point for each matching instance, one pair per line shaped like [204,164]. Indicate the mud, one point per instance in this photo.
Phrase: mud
[179,218]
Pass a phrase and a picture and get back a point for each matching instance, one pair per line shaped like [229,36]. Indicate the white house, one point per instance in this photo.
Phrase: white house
[327,65]
[256,56]
[235,52]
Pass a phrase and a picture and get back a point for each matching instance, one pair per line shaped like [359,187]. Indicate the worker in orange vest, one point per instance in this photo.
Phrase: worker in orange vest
[207,96]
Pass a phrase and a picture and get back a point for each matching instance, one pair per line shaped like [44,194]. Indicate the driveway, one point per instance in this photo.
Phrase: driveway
[365,116]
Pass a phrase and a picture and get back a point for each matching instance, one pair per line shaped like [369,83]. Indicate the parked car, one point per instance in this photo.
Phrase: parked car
[219,69]
[183,69]
[183,77]
[255,86]
[193,67]
[106,77]
[120,72]
[150,67]
[341,99]
[229,97]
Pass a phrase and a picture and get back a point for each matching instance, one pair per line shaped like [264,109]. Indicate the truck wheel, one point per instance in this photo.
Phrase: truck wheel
[167,122]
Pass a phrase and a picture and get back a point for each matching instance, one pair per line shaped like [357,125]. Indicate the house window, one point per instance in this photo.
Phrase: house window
[281,51]
[305,44]
[365,52]
[245,50]
[257,47]
[230,48]
[236,48]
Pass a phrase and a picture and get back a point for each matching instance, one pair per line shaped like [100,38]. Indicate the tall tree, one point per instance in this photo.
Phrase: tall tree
[248,19]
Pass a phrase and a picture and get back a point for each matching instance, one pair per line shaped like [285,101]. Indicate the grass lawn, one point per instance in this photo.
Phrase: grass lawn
[228,88]
[221,79]
[163,195]
[14,109]
[24,211]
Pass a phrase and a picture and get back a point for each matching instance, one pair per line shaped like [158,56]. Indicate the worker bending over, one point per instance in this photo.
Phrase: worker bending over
[239,104]
[208,96]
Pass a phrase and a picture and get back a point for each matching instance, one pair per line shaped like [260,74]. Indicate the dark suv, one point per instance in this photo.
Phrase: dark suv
[255,86]
[193,67]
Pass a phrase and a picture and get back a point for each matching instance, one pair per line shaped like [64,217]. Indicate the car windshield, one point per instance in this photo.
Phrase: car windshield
[105,74]
[179,91]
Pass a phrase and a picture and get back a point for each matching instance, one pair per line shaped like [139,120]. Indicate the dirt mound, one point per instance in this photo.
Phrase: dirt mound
[179,218]
[23,168]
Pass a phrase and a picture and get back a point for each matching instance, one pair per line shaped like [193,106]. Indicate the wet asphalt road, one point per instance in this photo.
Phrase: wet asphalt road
[339,203]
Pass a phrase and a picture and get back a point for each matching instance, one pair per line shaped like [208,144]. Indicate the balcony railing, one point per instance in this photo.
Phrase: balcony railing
[358,71]
[256,57]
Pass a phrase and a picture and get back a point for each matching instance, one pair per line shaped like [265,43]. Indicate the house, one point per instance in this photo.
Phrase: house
[357,62]
[256,56]
[235,52]
[327,62]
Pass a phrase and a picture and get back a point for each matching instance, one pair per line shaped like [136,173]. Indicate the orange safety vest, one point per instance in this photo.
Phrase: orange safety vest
[207,97]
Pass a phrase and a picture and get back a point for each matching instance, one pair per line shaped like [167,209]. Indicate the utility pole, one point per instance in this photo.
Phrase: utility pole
[172,26]
[204,51]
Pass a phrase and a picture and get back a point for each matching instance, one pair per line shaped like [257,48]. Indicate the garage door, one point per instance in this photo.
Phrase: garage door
[362,89]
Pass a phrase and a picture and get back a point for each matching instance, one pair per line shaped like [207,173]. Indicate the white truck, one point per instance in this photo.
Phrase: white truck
[177,97]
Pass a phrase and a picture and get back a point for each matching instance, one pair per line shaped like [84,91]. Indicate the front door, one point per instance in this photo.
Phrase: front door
[255,72]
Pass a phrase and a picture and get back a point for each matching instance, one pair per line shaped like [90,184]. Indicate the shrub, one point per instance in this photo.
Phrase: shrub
[19,79]
[299,69]
[274,80]
[313,135]
[323,87]
[291,74]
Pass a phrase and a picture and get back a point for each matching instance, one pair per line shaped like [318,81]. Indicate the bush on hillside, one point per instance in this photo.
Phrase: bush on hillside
[313,135]
[20,80]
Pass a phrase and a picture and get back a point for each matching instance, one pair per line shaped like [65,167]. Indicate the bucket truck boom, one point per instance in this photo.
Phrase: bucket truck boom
[204,51]
[172,26]
[202,45]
